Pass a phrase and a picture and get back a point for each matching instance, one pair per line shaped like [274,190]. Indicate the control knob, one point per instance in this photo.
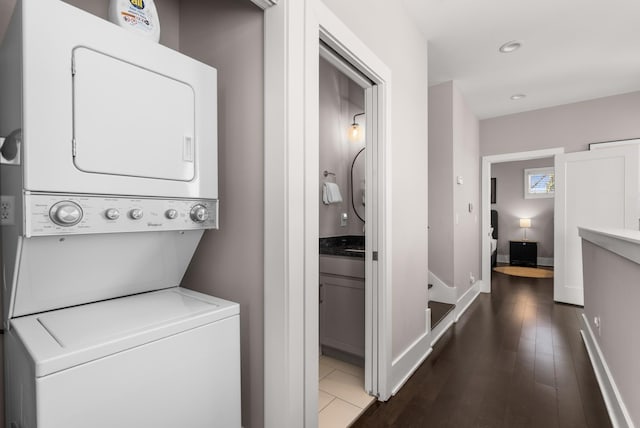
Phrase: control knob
[112,214]
[171,214]
[136,214]
[65,213]
[199,213]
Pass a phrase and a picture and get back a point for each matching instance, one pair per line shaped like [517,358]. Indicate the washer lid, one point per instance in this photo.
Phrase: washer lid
[68,337]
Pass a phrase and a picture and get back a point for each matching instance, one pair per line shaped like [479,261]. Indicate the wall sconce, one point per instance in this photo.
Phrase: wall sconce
[355,131]
[525,223]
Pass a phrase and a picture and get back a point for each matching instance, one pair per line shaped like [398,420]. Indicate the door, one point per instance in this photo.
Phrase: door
[128,120]
[593,189]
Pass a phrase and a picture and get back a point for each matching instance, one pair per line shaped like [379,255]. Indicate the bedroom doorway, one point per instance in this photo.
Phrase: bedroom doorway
[518,219]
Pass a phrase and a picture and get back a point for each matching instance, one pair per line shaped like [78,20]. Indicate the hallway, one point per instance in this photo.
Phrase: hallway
[515,359]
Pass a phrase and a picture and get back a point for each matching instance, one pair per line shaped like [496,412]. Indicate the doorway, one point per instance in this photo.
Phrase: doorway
[291,211]
[487,197]
[344,353]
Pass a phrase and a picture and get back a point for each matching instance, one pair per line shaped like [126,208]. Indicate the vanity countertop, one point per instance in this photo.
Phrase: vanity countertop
[346,246]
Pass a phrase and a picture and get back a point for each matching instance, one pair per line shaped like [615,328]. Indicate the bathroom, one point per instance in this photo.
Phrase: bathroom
[342,200]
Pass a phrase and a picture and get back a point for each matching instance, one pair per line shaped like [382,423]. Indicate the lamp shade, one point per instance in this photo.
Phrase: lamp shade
[355,133]
[525,222]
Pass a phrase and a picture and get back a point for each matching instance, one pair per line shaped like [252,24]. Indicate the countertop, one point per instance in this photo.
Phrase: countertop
[347,246]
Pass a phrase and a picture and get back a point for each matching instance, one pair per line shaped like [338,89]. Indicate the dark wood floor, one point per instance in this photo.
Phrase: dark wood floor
[439,310]
[515,359]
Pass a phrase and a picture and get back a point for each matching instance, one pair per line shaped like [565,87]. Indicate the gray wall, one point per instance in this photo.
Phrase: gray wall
[340,99]
[466,196]
[572,126]
[454,233]
[611,292]
[228,34]
[441,182]
[512,206]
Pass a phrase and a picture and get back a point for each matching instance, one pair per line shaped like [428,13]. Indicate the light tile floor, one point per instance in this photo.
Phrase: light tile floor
[341,398]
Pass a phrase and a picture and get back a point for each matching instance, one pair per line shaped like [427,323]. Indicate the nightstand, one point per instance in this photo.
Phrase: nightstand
[523,253]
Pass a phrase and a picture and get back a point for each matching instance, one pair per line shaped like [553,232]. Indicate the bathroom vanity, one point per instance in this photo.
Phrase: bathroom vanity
[342,288]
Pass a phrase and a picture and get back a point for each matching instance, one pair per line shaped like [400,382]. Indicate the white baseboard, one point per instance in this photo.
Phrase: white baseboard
[441,292]
[442,327]
[545,261]
[618,413]
[467,299]
[408,362]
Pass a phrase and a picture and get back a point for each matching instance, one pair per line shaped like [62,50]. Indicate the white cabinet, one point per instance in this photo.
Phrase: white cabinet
[342,304]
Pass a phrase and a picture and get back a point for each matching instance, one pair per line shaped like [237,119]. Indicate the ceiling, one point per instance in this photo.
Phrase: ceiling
[572,50]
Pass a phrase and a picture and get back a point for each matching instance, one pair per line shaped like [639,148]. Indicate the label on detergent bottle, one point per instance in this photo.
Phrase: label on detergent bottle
[139,16]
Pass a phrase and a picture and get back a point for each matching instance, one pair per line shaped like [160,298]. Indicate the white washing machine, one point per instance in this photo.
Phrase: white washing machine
[168,358]
[110,165]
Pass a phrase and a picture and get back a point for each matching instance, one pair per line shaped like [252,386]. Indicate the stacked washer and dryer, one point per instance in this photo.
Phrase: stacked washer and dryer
[109,172]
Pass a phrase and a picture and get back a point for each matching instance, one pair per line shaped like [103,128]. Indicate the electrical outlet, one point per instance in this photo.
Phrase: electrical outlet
[7,210]
[472,278]
[343,219]
[598,323]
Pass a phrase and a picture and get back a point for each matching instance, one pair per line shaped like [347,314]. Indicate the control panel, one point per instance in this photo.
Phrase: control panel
[64,214]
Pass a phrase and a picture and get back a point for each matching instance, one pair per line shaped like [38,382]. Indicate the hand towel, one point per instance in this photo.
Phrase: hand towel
[331,193]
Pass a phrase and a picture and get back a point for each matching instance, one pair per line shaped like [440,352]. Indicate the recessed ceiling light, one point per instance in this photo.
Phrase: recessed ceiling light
[518,96]
[510,46]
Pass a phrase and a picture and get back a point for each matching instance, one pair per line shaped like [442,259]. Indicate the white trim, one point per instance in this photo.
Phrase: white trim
[411,358]
[545,261]
[618,413]
[442,327]
[610,144]
[623,242]
[467,299]
[284,251]
[441,292]
[486,205]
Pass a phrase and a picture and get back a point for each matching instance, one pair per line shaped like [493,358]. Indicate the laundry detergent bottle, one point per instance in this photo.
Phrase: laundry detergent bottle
[138,16]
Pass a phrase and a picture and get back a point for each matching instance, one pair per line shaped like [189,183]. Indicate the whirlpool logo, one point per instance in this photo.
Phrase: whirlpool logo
[137,3]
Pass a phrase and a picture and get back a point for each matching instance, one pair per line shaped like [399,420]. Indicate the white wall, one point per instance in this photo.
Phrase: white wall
[441,182]
[387,29]
[466,196]
[453,208]
[512,206]
[339,101]
[572,126]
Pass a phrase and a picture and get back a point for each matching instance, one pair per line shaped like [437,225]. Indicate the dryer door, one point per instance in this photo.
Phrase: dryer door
[130,121]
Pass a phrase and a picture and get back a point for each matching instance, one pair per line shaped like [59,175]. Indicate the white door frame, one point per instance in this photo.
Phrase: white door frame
[487,161]
[292,32]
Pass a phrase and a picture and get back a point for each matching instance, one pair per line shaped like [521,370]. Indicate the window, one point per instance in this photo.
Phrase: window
[539,183]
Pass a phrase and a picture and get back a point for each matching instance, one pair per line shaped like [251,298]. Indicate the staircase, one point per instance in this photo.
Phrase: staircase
[442,317]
